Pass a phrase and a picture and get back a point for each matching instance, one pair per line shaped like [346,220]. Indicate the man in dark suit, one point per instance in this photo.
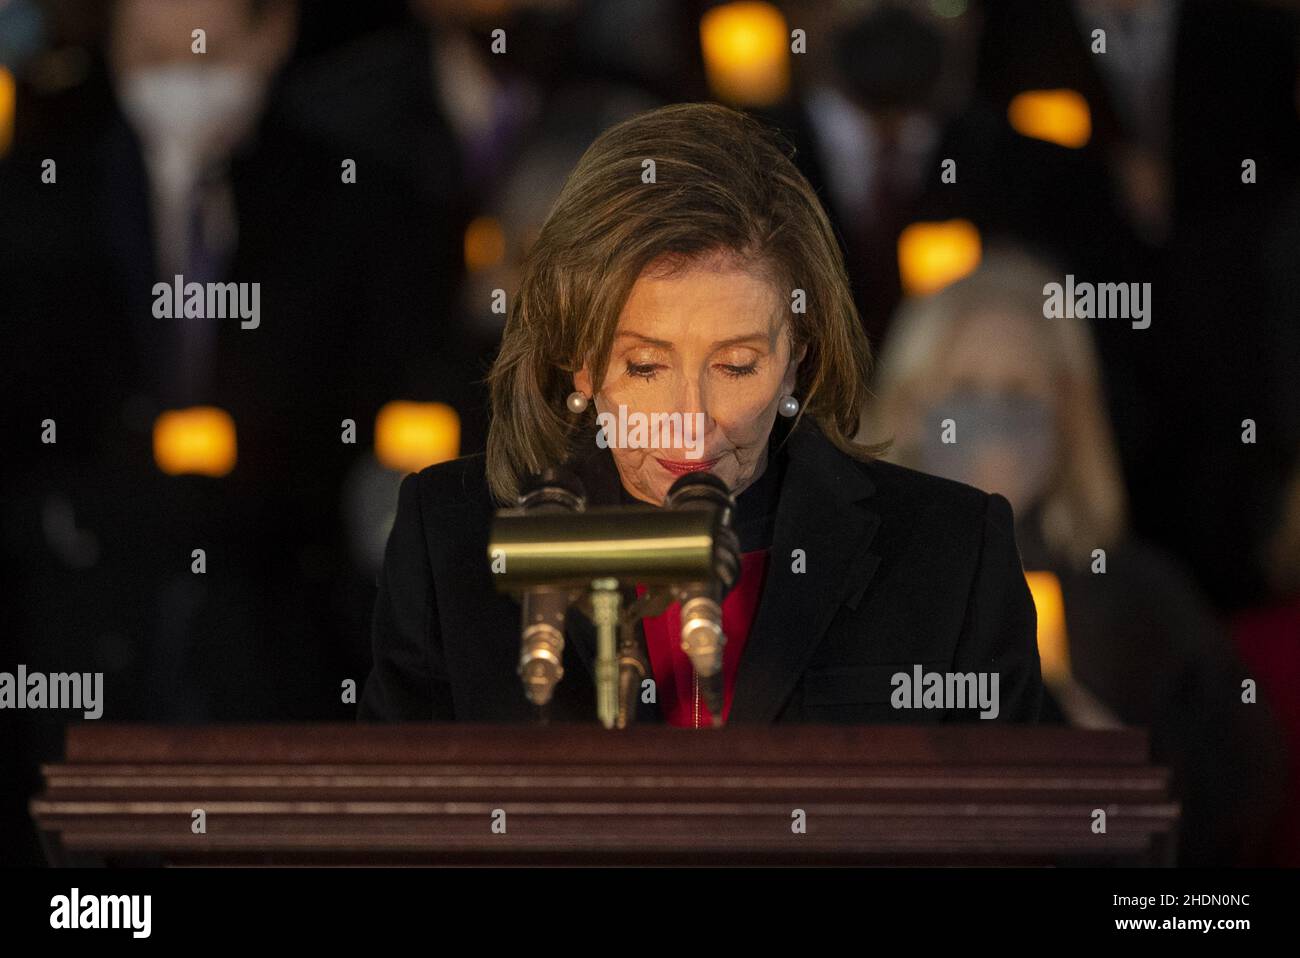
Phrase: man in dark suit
[356,282]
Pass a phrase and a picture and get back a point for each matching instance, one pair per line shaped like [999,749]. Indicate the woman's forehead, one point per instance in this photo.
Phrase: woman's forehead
[997,347]
[703,299]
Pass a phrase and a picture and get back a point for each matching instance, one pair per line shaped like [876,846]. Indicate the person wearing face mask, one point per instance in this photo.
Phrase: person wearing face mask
[974,384]
[678,297]
[176,162]
[190,113]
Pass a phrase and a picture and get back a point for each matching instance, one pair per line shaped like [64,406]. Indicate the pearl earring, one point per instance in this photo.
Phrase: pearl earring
[576,402]
[789,406]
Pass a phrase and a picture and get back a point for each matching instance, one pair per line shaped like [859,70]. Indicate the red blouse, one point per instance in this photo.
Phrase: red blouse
[674,677]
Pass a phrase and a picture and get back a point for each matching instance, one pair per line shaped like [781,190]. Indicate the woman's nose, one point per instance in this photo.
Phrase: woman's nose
[691,397]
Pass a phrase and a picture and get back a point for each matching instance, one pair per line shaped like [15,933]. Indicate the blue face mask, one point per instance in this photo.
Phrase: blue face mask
[999,442]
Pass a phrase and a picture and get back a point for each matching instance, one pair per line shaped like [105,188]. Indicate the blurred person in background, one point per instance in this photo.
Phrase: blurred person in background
[477,130]
[463,106]
[512,217]
[1184,94]
[974,384]
[168,162]
[176,162]
[1183,90]
[427,104]
[877,103]
[1237,301]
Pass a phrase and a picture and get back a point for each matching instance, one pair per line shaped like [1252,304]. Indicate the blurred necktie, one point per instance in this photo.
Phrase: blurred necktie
[192,356]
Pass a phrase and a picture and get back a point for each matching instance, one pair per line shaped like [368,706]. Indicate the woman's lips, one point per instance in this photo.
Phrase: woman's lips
[680,467]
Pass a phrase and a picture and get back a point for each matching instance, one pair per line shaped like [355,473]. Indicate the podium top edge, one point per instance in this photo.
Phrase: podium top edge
[581,743]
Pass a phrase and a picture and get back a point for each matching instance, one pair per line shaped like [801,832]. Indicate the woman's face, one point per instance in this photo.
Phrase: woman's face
[711,339]
[996,385]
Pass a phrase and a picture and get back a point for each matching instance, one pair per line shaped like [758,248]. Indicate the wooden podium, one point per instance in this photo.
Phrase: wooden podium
[580,795]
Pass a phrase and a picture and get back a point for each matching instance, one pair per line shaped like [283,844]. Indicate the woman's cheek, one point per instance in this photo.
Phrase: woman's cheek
[644,397]
[744,421]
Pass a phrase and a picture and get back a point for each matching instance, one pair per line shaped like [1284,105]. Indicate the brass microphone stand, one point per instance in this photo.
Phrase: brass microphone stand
[598,552]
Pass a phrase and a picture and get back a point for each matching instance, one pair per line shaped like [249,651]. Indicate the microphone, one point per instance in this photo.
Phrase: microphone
[541,653]
[701,602]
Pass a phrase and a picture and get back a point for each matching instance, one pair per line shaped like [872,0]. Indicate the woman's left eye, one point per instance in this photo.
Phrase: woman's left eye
[735,372]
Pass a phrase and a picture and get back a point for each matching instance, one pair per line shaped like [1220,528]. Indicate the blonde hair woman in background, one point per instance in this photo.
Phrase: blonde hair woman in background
[975,384]
[1025,397]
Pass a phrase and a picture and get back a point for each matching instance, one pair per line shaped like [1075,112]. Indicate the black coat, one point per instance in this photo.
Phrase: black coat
[902,569]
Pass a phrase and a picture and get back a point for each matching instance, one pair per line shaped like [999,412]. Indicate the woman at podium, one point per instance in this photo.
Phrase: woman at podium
[688,268]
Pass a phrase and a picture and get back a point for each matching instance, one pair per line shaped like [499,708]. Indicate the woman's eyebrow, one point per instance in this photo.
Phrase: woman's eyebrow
[628,334]
[741,340]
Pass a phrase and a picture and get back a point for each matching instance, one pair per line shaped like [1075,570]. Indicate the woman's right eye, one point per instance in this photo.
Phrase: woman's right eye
[642,370]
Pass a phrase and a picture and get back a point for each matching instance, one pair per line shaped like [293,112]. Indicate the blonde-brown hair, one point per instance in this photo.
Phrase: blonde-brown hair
[723,183]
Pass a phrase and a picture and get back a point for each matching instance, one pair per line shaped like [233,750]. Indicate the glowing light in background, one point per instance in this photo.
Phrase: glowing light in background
[935,254]
[198,441]
[1053,645]
[8,99]
[1057,116]
[412,435]
[485,244]
[746,50]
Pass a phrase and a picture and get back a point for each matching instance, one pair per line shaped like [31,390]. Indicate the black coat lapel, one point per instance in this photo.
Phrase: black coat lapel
[820,512]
